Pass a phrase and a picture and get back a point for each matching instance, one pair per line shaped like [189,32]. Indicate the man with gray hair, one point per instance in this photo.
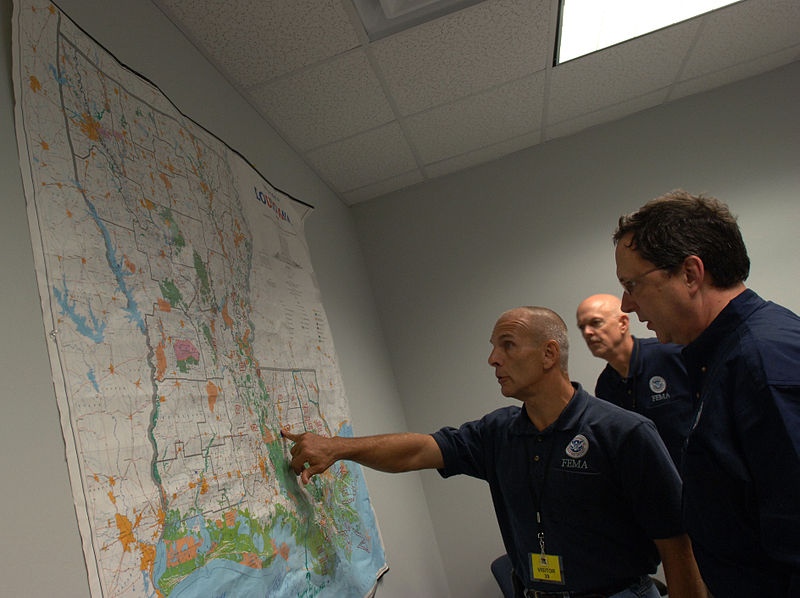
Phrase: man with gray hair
[682,263]
[641,374]
[585,493]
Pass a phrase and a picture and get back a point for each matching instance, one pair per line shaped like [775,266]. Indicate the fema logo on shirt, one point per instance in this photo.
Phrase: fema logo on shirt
[578,446]
[658,384]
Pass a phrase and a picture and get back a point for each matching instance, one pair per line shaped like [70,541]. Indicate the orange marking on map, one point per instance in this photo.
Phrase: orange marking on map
[90,127]
[111,368]
[203,486]
[250,559]
[125,532]
[161,361]
[165,180]
[148,556]
[181,550]
[164,305]
[44,145]
[213,392]
[112,497]
[225,317]
[35,85]
[130,265]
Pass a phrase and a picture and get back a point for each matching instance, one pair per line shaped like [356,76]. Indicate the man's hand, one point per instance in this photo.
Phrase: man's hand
[311,454]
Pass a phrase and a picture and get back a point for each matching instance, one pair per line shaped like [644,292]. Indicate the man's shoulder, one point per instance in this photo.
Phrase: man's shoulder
[499,419]
[771,335]
[651,346]
[601,412]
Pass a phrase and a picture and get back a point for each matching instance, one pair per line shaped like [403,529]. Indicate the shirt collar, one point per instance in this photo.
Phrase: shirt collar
[523,426]
[737,311]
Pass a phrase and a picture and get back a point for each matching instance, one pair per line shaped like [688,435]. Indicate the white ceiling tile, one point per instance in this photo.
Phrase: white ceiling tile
[734,73]
[474,122]
[254,41]
[383,187]
[618,73]
[364,159]
[318,105]
[485,154]
[604,115]
[744,31]
[459,54]
[467,86]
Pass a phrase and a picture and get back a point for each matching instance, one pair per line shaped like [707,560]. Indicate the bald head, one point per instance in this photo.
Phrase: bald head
[605,328]
[610,304]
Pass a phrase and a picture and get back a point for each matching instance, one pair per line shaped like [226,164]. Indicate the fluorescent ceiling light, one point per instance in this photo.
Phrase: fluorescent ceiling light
[586,26]
[382,18]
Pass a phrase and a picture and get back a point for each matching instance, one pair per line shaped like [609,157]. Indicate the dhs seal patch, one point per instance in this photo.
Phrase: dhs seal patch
[578,447]
[658,384]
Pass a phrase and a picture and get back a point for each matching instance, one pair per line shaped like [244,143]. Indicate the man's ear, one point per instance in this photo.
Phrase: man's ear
[552,354]
[624,323]
[694,273]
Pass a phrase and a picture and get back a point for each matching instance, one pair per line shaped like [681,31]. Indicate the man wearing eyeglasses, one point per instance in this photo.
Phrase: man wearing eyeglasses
[682,264]
[642,374]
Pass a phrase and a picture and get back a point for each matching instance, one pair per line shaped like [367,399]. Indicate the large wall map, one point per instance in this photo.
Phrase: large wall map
[185,330]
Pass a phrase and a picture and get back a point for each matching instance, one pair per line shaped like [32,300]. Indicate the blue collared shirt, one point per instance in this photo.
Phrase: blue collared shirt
[600,475]
[657,387]
[741,466]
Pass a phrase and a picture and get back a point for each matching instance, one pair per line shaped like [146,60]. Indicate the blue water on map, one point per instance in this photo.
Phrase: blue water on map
[116,267]
[197,525]
[93,328]
[365,563]
[93,379]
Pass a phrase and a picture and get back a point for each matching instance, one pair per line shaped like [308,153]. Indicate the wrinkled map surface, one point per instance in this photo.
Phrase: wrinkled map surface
[185,330]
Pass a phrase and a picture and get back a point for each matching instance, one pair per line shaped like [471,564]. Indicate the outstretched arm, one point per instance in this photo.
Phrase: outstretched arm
[386,452]
[680,568]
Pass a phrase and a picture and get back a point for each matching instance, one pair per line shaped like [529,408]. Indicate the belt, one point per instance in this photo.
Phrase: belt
[604,593]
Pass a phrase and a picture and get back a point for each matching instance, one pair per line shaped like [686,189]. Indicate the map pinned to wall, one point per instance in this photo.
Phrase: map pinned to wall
[185,330]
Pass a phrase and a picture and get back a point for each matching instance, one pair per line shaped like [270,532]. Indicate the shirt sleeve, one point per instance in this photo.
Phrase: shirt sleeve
[651,482]
[463,450]
[770,434]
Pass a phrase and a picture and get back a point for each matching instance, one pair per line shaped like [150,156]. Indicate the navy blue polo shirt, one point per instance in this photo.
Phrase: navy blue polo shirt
[741,465]
[657,387]
[601,476]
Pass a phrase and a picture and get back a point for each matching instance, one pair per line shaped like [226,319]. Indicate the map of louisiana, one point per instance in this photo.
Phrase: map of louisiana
[185,330]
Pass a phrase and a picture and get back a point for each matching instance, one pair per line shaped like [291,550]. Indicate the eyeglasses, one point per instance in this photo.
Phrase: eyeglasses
[630,285]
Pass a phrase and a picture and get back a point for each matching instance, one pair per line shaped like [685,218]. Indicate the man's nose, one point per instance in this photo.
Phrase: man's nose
[628,304]
[493,358]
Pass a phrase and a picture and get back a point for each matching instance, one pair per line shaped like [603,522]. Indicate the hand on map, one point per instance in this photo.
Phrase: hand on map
[311,454]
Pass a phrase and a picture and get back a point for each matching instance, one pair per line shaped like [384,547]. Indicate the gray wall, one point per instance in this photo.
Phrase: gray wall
[446,257]
[40,553]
